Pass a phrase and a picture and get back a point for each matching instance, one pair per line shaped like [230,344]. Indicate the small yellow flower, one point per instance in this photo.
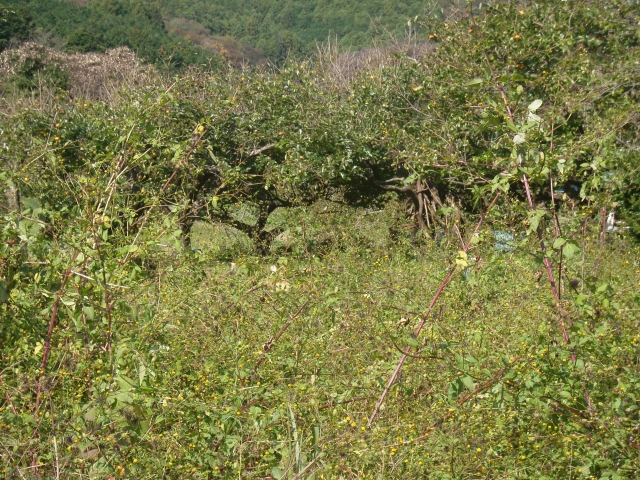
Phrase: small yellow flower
[516,36]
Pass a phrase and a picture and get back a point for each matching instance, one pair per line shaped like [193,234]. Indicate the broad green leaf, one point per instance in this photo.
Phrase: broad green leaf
[411,341]
[31,202]
[570,250]
[519,138]
[559,242]
[532,117]
[469,383]
[535,105]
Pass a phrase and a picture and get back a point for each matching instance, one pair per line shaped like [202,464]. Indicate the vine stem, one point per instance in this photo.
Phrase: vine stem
[441,288]
[547,266]
[602,236]
[525,181]
[270,344]
[52,322]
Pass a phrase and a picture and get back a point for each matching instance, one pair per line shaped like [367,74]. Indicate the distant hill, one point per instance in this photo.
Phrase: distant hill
[278,28]
[193,31]
[97,25]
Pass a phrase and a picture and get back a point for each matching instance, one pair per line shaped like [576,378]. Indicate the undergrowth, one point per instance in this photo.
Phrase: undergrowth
[413,270]
[255,366]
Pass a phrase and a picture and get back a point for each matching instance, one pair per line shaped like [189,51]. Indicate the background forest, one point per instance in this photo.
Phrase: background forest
[412,261]
[251,30]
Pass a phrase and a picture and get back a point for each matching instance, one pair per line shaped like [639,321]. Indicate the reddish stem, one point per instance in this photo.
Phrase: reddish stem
[547,266]
[270,345]
[444,283]
[52,322]
[525,180]
[602,235]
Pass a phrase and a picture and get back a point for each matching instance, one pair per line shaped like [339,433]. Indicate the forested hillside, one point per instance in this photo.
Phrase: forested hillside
[97,26]
[279,28]
[249,30]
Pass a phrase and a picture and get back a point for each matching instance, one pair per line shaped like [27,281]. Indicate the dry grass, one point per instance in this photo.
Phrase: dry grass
[94,76]
[342,66]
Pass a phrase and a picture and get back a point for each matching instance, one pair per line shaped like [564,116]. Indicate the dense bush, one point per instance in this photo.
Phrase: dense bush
[214,275]
[15,23]
[103,24]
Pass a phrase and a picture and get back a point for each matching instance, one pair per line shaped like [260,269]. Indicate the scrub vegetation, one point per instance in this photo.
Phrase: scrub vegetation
[403,268]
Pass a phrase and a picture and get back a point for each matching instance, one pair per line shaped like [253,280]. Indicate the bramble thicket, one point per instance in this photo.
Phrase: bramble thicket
[399,269]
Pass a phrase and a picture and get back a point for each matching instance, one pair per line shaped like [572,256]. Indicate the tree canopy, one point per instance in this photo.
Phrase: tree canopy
[99,25]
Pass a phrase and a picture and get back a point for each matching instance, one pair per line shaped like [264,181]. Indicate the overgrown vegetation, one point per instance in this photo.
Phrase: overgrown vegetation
[98,26]
[399,271]
[281,29]
[188,32]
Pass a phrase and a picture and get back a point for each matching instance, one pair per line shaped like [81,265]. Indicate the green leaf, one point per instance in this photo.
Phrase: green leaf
[475,81]
[570,250]
[532,117]
[559,242]
[533,223]
[31,203]
[511,125]
[535,105]
[91,414]
[445,211]
[277,472]
[411,341]
[125,382]
[468,382]
[519,138]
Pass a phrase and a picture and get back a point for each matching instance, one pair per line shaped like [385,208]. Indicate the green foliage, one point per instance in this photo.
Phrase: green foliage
[36,72]
[215,277]
[282,28]
[15,23]
[107,24]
